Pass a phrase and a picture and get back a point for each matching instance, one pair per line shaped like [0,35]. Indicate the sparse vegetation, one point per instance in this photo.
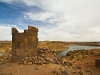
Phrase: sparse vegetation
[54,46]
[81,62]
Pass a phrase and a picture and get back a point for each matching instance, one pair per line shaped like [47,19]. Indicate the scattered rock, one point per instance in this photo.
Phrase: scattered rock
[55,72]
[36,68]
[43,56]
[29,63]
[97,62]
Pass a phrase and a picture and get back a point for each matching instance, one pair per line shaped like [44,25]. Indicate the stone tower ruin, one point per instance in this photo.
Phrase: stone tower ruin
[24,44]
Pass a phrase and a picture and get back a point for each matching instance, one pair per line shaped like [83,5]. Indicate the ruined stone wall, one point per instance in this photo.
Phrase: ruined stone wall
[24,44]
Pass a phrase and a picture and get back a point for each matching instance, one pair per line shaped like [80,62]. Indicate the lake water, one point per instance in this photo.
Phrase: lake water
[72,48]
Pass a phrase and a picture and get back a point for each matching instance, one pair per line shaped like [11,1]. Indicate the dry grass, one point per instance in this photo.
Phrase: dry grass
[54,46]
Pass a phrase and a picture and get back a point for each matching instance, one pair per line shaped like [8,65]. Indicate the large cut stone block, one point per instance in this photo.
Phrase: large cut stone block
[31,33]
[32,39]
[14,31]
[19,38]
[14,58]
[20,52]
[17,45]
[30,28]
[25,40]
[26,32]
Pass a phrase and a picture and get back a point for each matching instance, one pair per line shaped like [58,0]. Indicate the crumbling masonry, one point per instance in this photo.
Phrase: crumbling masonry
[24,44]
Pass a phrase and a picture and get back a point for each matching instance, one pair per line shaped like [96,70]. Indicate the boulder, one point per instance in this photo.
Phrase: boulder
[97,62]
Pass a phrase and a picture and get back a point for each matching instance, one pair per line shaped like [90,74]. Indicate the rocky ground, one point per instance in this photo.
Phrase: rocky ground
[82,62]
[43,56]
[45,62]
[44,69]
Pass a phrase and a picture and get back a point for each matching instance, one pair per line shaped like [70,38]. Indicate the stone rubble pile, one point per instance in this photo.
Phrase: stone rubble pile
[43,56]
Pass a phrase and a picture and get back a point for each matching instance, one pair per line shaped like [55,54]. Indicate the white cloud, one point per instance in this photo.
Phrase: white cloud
[72,20]
[79,20]
[5,31]
[48,17]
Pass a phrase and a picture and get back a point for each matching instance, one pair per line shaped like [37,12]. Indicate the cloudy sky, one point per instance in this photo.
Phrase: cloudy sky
[60,20]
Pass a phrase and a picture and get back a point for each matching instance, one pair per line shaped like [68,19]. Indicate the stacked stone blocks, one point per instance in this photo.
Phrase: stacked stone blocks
[24,44]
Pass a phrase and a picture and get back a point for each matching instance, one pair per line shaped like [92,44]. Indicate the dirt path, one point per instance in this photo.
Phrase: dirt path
[15,69]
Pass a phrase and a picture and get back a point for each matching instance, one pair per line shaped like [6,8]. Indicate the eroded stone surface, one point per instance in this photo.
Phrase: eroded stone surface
[24,44]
